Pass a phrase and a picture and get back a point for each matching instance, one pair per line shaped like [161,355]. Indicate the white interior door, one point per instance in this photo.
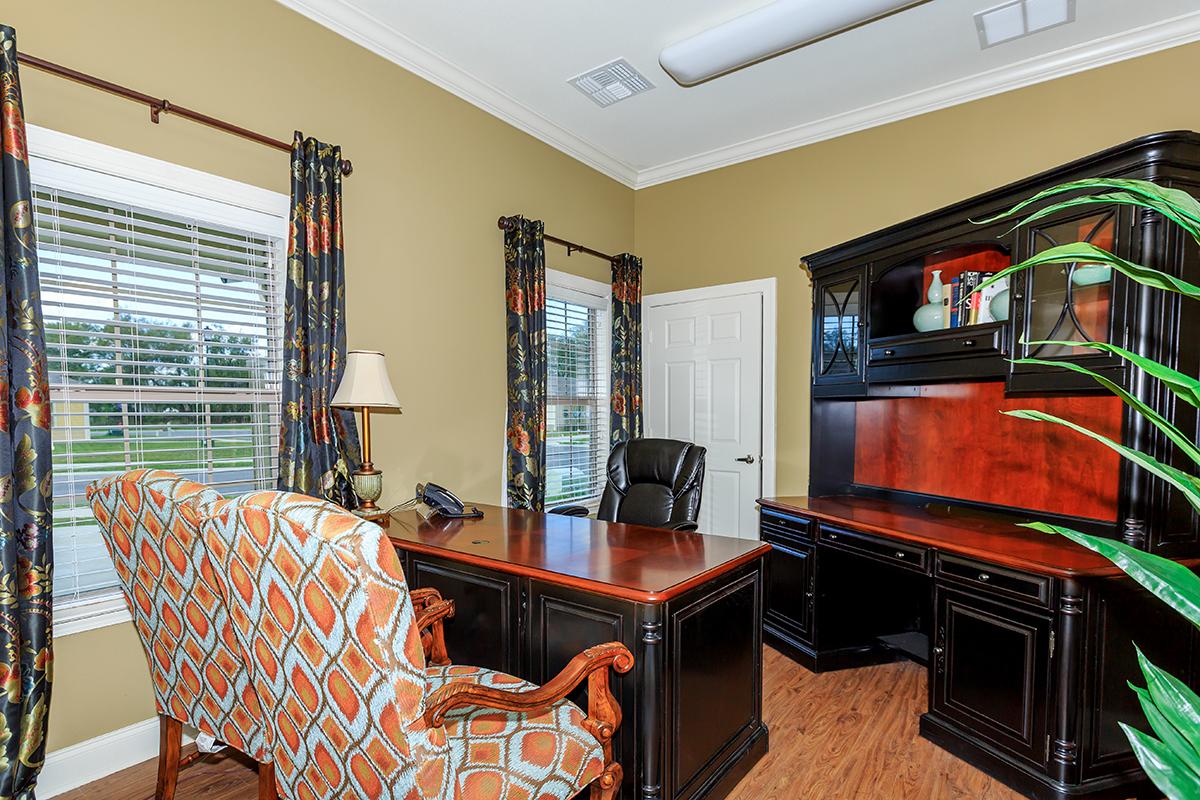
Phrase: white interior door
[704,384]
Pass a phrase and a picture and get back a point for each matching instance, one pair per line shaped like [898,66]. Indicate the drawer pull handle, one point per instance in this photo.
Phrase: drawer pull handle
[889,352]
[899,554]
[833,537]
[968,343]
[984,577]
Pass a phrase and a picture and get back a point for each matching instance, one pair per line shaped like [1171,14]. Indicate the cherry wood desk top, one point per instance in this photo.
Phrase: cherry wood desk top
[987,537]
[647,565]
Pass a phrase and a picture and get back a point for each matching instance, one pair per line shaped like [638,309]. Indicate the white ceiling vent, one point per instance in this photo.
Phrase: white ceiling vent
[1019,18]
[611,83]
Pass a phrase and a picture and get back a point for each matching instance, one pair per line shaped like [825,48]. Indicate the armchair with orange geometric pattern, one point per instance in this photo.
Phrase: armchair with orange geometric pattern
[355,708]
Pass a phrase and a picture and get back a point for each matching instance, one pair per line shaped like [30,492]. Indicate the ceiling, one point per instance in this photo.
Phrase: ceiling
[514,58]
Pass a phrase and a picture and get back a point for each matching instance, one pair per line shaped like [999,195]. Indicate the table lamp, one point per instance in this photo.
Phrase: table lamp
[365,386]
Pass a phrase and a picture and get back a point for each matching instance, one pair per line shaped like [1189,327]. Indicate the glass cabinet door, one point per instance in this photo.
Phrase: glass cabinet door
[1070,302]
[840,313]
[1076,302]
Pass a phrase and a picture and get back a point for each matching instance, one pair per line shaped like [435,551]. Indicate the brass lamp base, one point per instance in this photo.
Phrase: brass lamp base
[368,486]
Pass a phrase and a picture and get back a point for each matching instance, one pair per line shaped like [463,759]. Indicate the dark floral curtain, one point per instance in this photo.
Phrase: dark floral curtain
[625,416]
[525,310]
[26,557]
[318,445]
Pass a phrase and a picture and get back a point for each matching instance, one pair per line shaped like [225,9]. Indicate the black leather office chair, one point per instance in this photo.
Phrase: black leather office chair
[655,482]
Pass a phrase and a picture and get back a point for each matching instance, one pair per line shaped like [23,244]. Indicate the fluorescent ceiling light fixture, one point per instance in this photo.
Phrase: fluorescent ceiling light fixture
[1021,18]
[768,31]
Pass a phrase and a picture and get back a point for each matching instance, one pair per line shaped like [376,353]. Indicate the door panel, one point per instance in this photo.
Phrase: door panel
[704,385]
[991,672]
[483,631]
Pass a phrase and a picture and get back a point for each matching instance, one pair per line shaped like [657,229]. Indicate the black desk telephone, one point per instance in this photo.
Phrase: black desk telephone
[444,502]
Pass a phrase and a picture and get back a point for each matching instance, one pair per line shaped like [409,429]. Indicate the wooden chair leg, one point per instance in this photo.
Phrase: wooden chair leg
[603,719]
[170,742]
[266,782]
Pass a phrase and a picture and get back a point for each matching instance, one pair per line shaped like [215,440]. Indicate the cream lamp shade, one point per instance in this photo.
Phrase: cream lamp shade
[365,383]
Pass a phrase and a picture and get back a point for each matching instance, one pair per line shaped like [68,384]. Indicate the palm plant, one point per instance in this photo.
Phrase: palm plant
[1171,754]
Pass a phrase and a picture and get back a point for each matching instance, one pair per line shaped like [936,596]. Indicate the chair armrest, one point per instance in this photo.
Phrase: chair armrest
[592,663]
[423,597]
[570,511]
[430,621]
[686,526]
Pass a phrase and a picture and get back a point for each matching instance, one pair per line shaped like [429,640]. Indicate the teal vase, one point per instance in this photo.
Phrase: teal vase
[928,317]
[999,306]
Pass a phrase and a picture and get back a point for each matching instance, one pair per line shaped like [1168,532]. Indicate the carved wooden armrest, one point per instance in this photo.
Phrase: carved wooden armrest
[430,621]
[423,597]
[592,664]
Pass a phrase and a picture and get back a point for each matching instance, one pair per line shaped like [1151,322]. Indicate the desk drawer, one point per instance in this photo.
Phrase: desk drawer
[902,554]
[786,530]
[950,343]
[995,580]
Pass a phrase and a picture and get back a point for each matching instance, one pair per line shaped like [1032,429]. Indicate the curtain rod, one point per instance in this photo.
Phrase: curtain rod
[158,106]
[506,223]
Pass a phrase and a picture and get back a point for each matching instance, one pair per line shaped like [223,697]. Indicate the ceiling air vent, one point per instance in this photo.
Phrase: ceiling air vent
[1019,18]
[611,83]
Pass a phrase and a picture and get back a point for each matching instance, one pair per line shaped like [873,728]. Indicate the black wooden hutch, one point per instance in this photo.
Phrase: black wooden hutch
[906,543]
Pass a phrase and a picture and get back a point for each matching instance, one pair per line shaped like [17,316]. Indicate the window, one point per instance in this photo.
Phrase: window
[163,333]
[577,352]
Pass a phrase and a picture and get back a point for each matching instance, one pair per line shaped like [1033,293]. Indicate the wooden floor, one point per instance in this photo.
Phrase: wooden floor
[849,734]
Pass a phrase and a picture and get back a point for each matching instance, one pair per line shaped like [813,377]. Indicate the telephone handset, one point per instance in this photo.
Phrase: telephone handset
[444,503]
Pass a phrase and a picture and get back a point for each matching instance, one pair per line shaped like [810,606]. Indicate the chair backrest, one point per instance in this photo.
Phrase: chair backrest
[653,482]
[149,520]
[318,599]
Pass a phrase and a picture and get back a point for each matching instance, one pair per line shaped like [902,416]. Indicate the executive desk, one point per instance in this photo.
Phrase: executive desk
[1027,636]
[532,590]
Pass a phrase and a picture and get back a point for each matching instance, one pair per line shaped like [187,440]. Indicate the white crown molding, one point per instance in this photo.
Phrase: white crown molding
[383,40]
[1078,58]
[83,763]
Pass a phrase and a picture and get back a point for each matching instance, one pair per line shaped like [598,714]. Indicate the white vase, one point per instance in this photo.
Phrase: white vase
[936,288]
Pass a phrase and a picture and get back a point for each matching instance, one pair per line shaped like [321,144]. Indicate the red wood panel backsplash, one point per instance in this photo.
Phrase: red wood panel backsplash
[953,441]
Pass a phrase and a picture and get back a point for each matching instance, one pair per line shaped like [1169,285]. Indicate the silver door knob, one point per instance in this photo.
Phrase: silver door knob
[745,459]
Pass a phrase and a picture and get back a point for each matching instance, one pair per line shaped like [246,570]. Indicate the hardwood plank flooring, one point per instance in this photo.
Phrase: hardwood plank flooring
[836,736]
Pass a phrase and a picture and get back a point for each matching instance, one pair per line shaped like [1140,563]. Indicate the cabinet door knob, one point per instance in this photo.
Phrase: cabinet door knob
[937,651]
[984,577]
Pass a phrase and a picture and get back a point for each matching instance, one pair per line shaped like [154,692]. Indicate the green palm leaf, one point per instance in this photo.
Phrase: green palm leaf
[1184,387]
[1087,253]
[1153,196]
[1174,700]
[1174,434]
[1169,581]
[1168,210]
[1167,733]
[1164,768]
[1177,478]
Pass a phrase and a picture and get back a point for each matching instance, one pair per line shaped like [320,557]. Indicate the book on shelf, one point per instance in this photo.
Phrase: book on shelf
[962,305]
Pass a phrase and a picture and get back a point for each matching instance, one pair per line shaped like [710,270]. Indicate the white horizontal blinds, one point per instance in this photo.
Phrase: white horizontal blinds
[577,339]
[164,345]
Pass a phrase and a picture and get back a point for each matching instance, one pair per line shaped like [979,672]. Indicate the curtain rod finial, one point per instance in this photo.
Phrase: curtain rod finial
[504,223]
[347,167]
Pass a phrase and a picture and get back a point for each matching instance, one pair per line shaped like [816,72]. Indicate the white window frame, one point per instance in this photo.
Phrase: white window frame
[577,289]
[70,163]
[593,294]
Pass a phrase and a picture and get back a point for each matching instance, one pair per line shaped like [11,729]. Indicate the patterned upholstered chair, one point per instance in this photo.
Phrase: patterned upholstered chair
[318,598]
[150,522]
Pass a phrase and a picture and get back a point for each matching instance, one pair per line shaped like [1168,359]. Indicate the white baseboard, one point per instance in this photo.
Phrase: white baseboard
[80,764]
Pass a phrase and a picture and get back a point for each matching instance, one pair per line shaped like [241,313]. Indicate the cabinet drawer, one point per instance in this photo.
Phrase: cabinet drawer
[995,580]
[787,530]
[951,343]
[902,554]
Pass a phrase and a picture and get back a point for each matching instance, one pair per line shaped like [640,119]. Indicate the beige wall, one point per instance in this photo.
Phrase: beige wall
[432,174]
[758,219]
